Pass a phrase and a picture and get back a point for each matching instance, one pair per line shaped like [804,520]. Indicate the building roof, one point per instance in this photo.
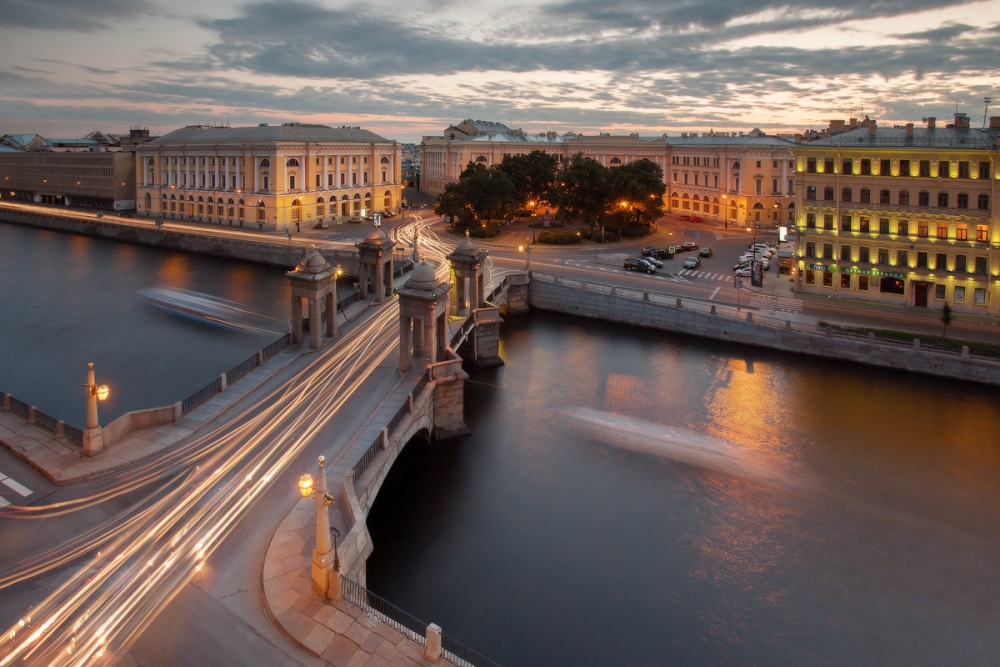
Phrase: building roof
[295,132]
[4,148]
[895,137]
[746,140]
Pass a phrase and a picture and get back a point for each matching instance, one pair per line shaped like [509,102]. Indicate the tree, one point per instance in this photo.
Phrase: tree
[947,317]
[531,175]
[637,190]
[481,193]
[581,191]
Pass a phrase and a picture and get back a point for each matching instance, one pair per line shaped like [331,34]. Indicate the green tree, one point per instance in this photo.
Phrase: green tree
[481,193]
[531,175]
[947,317]
[581,191]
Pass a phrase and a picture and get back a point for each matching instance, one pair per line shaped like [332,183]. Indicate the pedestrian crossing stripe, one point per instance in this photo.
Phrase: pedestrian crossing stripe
[14,486]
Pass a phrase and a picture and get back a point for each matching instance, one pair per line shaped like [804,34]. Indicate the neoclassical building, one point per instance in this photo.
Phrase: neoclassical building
[736,178]
[268,176]
[901,215]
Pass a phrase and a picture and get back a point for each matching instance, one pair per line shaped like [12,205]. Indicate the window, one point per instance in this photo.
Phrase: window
[343,179]
[846,194]
[810,249]
[758,164]
[984,171]
[481,158]
[828,165]
[902,259]
[329,180]
[685,178]
[960,264]
[981,266]
[962,231]
[944,169]
[891,286]
[981,231]
[845,253]
[864,255]
[903,228]
[774,186]
[904,197]
[925,169]
[696,179]
[862,283]
[354,178]
[845,281]
[366,176]
[863,225]
[827,251]
[866,196]
[885,167]
[979,296]
[810,220]
[827,279]
[962,201]
[847,167]
[941,261]
[790,190]
[922,229]
[775,165]
[921,260]
[291,181]
[265,182]
[904,167]
[810,277]
[963,169]
[759,186]
[942,200]
[292,162]
[883,197]
[984,202]
[845,223]
[343,159]
[811,192]
[828,222]
[211,209]
[883,256]
[866,167]
[673,160]
[828,193]
[883,225]
[924,199]
[942,231]
[939,292]
[318,176]
[959,294]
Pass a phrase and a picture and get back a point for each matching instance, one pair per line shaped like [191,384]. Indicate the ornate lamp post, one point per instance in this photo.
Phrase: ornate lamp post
[325,564]
[93,439]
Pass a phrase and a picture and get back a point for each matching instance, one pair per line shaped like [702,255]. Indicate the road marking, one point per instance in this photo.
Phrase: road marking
[784,304]
[3,502]
[14,486]
[714,293]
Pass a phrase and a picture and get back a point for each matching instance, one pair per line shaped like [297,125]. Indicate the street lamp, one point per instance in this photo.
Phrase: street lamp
[325,572]
[725,212]
[93,439]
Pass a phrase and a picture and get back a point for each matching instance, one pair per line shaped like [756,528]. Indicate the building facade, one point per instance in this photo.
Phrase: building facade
[901,215]
[99,179]
[269,176]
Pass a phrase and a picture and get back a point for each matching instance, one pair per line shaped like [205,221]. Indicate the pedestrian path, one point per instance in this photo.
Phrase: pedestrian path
[783,303]
[12,485]
[706,275]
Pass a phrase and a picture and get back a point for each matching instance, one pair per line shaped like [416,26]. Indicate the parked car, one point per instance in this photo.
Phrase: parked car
[742,273]
[388,214]
[636,264]
[355,220]
[685,218]
[705,252]
[321,225]
[741,265]
[689,245]
[655,262]
[692,263]
[695,218]
[658,253]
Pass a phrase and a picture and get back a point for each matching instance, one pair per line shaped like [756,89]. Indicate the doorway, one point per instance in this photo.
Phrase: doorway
[920,294]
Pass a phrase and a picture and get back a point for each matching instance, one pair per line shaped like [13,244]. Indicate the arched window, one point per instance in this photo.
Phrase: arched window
[344,198]
[736,165]
[481,158]
[904,197]
[261,211]
[171,197]
[230,202]
[320,208]
[292,162]
[614,160]
[265,163]
[296,210]
[357,196]
[388,199]
[368,195]
[384,160]
[150,161]
[883,197]
[149,202]
[828,193]
[200,198]
[758,205]
[846,195]
[219,200]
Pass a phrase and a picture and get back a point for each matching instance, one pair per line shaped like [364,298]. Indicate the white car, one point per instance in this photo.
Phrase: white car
[742,273]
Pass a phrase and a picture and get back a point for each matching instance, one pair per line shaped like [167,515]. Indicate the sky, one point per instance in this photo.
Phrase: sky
[408,69]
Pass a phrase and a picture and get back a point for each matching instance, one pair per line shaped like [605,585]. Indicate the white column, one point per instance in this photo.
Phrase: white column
[256,173]
[187,170]
[305,182]
[326,160]
[284,174]
[218,173]
[784,177]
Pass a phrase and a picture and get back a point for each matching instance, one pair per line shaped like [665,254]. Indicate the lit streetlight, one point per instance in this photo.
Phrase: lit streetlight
[93,439]
[325,563]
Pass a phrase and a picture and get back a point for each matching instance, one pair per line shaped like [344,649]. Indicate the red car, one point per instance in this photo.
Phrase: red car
[685,218]
[695,218]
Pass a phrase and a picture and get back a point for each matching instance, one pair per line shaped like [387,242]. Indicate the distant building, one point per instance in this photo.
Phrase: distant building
[901,215]
[97,170]
[268,176]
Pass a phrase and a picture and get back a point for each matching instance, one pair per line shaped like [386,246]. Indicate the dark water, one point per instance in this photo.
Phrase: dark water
[852,518]
[68,300]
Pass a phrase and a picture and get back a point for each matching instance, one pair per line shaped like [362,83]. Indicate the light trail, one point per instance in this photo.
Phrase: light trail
[144,556]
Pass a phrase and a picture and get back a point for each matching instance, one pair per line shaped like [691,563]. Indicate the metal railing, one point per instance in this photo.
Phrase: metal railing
[202,395]
[73,433]
[241,370]
[348,300]
[367,458]
[45,421]
[424,379]
[277,346]
[460,654]
[404,409]
[19,408]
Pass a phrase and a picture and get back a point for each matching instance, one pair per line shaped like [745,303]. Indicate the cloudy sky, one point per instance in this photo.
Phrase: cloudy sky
[405,69]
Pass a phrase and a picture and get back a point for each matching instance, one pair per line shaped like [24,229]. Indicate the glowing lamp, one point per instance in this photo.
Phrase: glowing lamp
[520,248]
[103,391]
[306,485]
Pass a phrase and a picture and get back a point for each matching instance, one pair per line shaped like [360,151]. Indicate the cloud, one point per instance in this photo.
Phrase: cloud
[70,15]
[945,33]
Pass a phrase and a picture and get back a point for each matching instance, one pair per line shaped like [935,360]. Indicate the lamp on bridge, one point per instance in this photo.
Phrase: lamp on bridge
[325,563]
[93,439]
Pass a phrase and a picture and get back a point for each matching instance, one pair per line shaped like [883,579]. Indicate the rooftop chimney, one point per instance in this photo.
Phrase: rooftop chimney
[961,121]
[872,129]
[931,123]
[909,130]
[994,122]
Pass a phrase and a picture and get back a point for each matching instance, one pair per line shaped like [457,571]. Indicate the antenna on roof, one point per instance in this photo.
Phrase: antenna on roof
[986,105]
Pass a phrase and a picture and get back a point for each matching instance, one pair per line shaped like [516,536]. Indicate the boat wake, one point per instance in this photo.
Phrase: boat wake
[211,310]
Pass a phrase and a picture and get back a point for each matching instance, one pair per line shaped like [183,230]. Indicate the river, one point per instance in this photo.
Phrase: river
[721,505]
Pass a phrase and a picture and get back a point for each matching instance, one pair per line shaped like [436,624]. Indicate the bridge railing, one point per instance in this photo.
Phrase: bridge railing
[242,369]
[25,411]
[367,458]
[378,445]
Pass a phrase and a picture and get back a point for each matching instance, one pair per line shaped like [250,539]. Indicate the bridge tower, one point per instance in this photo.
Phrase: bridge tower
[423,315]
[313,280]
[467,264]
[375,272]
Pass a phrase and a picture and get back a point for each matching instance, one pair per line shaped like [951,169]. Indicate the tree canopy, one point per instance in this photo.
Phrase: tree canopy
[482,193]
[532,175]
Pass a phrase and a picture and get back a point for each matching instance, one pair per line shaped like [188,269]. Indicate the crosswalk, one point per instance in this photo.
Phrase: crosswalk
[783,303]
[8,484]
[691,273]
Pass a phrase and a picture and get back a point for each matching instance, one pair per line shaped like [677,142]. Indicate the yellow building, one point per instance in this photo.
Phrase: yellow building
[901,215]
[269,176]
